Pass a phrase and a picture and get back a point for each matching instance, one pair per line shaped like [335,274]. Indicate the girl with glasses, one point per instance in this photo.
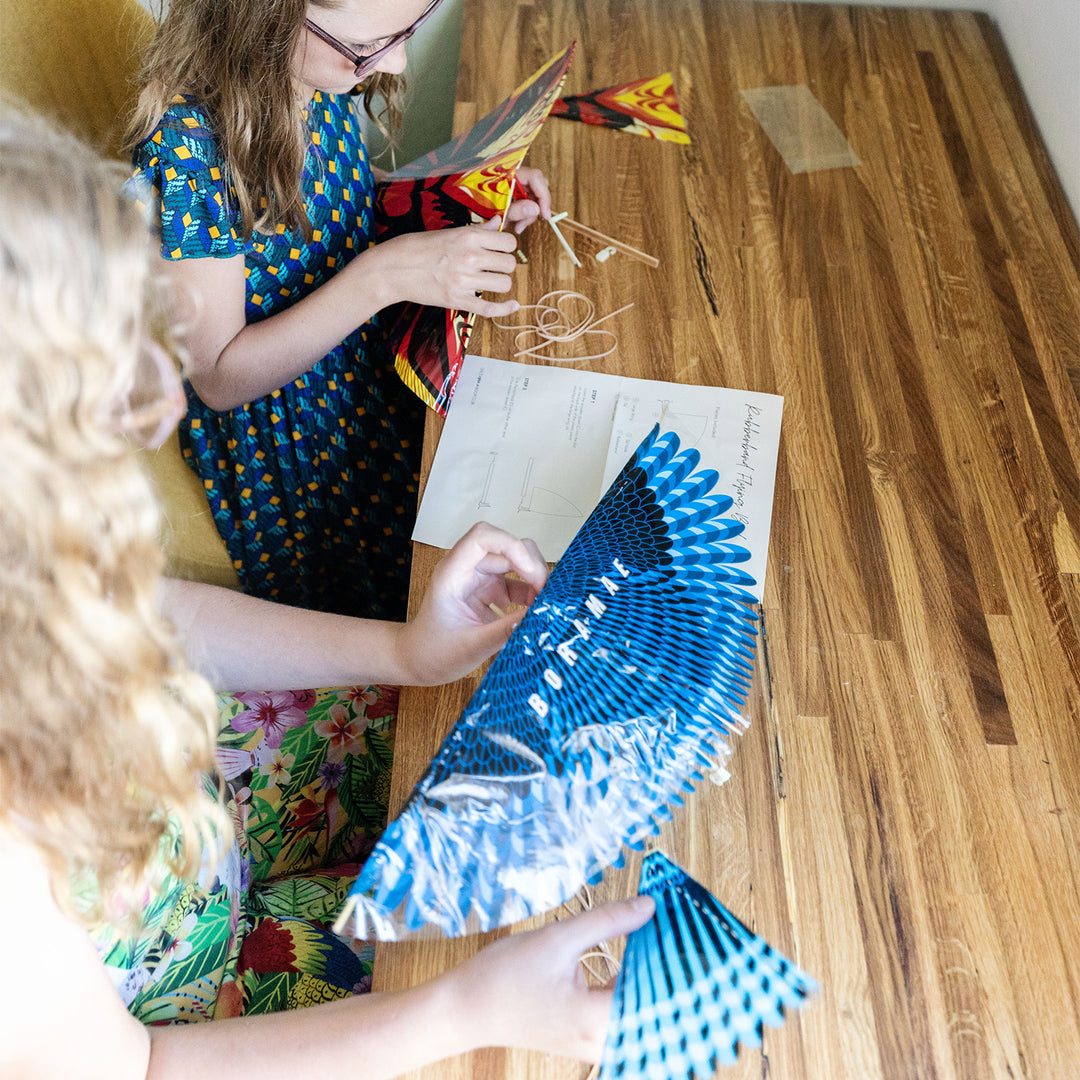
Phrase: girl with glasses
[129,890]
[305,439]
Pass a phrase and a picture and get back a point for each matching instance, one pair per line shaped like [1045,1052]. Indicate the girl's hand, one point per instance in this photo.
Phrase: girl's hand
[456,628]
[536,204]
[528,990]
[447,268]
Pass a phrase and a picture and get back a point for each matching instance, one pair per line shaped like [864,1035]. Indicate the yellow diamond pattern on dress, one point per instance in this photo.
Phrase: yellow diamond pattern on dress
[348,418]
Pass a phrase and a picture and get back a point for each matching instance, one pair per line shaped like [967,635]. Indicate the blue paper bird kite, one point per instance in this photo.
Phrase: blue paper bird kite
[615,692]
[694,985]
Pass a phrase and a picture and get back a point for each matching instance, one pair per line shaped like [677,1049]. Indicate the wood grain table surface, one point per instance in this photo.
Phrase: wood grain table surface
[902,817]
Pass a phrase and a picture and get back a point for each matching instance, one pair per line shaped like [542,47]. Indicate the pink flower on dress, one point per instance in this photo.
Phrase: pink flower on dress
[275,712]
[373,702]
[360,696]
[343,731]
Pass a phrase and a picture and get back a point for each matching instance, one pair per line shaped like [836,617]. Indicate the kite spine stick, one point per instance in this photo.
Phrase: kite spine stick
[552,221]
[626,249]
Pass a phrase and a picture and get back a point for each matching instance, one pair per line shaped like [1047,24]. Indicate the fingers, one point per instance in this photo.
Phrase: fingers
[488,248]
[487,309]
[522,214]
[449,267]
[538,187]
[537,560]
[532,183]
[486,281]
[484,266]
[572,937]
[495,551]
[490,238]
[519,592]
[452,267]
[489,638]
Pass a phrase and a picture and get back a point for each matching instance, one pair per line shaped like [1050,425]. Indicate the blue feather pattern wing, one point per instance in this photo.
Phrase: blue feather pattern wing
[694,985]
[615,692]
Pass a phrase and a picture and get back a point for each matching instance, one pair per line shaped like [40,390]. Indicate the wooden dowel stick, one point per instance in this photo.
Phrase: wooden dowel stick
[626,249]
[562,240]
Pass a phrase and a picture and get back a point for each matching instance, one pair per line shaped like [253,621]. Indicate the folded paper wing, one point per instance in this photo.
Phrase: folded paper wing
[646,107]
[694,985]
[464,181]
[616,691]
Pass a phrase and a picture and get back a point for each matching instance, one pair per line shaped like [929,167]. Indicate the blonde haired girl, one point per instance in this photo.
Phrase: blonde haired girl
[305,439]
[85,648]
[106,732]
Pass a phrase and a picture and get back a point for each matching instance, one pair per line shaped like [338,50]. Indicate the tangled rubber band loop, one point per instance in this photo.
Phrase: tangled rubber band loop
[602,950]
[555,325]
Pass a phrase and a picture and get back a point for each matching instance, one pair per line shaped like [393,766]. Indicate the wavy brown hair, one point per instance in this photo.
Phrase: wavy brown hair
[105,733]
[235,58]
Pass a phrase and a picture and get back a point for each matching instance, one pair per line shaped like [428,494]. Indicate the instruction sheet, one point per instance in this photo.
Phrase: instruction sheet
[533,448]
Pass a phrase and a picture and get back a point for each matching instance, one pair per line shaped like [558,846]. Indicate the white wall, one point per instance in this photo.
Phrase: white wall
[1043,39]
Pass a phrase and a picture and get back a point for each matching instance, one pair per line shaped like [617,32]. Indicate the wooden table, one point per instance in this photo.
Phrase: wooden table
[903,813]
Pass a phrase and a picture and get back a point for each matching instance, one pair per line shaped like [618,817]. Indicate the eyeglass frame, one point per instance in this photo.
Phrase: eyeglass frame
[363,64]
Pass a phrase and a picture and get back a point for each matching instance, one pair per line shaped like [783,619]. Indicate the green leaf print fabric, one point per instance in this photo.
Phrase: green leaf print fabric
[307,779]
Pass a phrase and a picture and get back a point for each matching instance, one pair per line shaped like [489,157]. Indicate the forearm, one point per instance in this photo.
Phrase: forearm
[267,355]
[377,1036]
[243,643]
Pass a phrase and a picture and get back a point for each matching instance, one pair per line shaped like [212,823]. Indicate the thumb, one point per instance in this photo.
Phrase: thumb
[493,224]
[498,632]
[489,637]
[610,920]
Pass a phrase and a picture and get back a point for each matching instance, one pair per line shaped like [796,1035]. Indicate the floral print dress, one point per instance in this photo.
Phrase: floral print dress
[307,782]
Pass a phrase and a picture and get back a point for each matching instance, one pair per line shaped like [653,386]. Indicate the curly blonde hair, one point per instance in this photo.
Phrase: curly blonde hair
[105,733]
[235,58]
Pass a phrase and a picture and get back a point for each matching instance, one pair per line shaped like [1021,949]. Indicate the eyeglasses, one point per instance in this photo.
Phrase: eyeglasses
[364,64]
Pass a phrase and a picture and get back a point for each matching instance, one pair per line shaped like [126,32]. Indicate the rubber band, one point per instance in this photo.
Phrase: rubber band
[602,950]
[555,326]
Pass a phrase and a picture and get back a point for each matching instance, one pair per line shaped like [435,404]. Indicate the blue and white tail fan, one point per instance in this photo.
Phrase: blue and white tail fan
[695,984]
[615,692]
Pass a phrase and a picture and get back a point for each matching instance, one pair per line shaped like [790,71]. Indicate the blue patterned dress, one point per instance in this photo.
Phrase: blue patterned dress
[313,487]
